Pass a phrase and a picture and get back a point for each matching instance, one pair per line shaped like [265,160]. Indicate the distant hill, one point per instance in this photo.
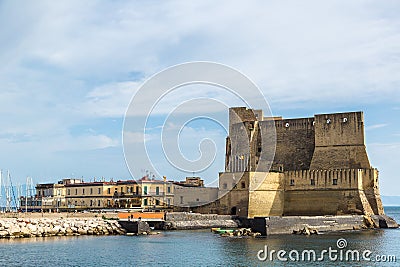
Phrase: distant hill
[391,200]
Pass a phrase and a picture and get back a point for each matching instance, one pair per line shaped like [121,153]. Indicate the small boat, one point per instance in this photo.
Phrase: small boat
[223,231]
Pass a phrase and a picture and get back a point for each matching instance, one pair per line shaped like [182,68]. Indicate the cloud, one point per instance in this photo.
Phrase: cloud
[75,63]
[375,126]
[110,100]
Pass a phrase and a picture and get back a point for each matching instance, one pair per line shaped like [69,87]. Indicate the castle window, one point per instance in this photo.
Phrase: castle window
[225,186]
[291,182]
[312,182]
[334,182]
[243,185]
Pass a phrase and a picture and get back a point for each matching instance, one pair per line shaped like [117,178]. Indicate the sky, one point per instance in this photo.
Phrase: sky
[70,69]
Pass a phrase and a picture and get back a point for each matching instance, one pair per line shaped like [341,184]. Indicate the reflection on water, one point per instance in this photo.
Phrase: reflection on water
[187,248]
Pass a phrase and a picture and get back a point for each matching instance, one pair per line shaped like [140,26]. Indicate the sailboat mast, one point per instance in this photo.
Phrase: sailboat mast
[1,189]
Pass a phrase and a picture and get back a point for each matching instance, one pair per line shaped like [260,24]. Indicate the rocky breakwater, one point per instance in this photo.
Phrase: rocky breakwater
[44,227]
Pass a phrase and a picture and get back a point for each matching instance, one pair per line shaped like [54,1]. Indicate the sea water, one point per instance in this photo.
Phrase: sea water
[203,248]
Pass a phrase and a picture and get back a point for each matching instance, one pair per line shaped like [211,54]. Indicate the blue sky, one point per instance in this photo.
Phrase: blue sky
[69,70]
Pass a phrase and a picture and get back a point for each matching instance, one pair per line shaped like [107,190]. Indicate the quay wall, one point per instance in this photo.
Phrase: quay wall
[188,220]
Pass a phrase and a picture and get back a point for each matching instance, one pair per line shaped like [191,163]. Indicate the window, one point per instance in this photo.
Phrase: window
[312,182]
[157,202]
[137,190]
[68,192]
[243,185]
[145,190]
[39,193]
[169,201]
[131,189]
[225,186]
[76,191]
[334,182]
[122,189]
[169,189]
[83,191]
[91,203]
[91,191]
[259,149]
[197,199]
[145,202]
[98,203]
[108,203]
[98,191]
[157,190]
[181,199]
[291,182]
[108,190]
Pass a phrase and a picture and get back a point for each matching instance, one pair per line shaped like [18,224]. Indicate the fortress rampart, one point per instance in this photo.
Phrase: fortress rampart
[306,166]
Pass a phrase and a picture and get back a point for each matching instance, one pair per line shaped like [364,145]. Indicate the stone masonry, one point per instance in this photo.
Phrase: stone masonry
[319,166]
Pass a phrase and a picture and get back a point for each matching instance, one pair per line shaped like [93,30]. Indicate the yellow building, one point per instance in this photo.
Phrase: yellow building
[92,195]
[156,194]
[74,194]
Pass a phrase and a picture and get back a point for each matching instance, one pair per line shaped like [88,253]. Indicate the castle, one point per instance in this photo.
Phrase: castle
[306,166]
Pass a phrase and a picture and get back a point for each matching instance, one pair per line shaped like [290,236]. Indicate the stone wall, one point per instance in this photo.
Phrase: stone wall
[294,143]
[289,225]
[189,220]
[266,196]
[194,196]
[339,142]
[323,192]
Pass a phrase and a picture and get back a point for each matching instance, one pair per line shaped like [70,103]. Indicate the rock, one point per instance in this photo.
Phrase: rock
[56,228]
[82,231]
[3,233]
[32,227]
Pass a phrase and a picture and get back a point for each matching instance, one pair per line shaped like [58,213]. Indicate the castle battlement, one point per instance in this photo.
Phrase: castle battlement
[301,166]
[331,179]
